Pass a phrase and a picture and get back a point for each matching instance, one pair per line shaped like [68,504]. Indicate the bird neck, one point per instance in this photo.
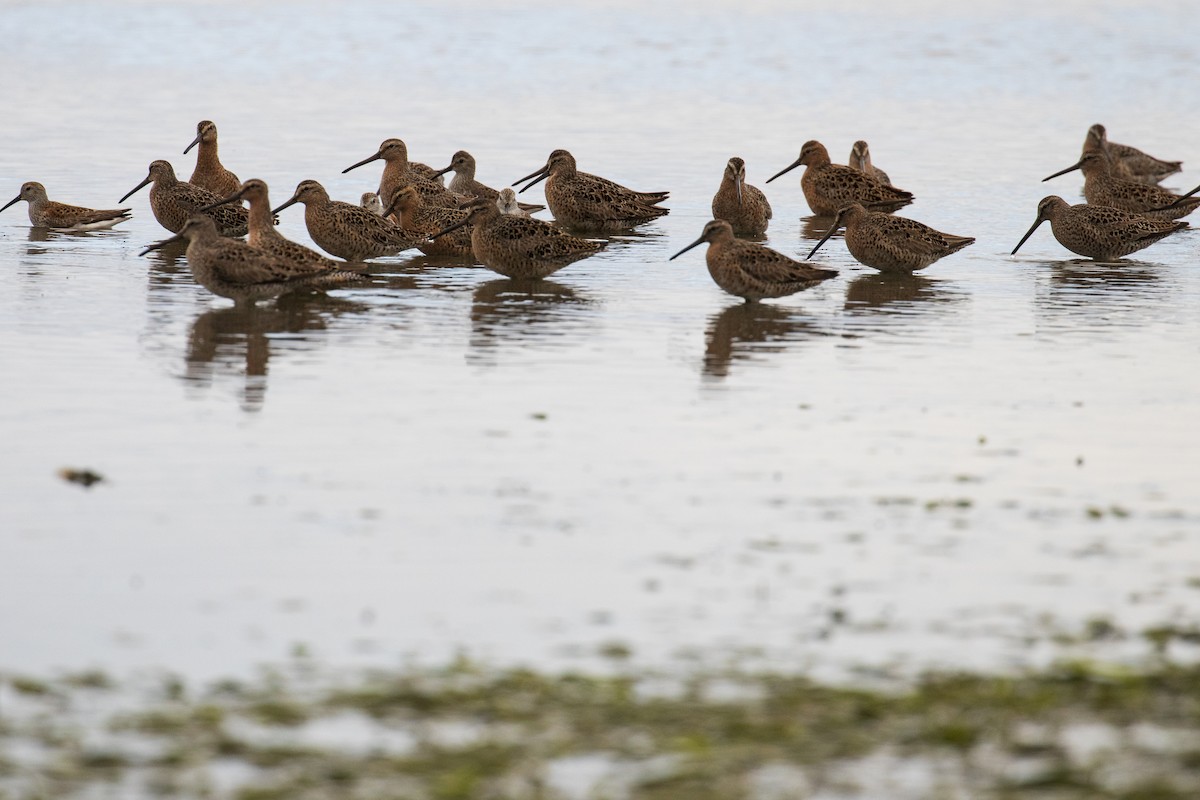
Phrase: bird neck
[207,159]
[260,219]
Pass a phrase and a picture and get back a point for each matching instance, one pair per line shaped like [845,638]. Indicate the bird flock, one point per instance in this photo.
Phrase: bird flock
[1125,211]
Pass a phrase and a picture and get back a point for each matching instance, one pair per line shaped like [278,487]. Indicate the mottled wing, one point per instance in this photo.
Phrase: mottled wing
[434,194]
[564,245]
[373,227]
[61,215]
[422,170]
[521,228]
[304,259]
[1144,194]
[238,263]
[228,217]
[436,218]
[1108,224]
[1140,163]
[474,188]
[846,185]
[770,267]
[756,196]
[602,199]
[908,235]
[439,218]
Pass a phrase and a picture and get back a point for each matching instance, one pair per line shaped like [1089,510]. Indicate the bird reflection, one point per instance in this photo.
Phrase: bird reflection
[742,331]
[169,286]
[238,340]
[815,228]
[37,248]
[1081,293]
[520,310]
[630,239]
[894,292]
[39,237]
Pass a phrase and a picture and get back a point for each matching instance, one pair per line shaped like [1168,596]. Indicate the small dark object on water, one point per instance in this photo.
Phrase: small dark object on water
[84,477]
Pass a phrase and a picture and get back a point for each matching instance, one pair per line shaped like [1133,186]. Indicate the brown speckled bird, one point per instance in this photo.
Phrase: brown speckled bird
[173,201]
[1100,232]
[231,268]
[588,202]
[743,206]
[1129,162]
[860,159]
[1102,188]
[210,173]
[751,271]
[462,164]
[345,230]
[830,187]
[263,234]
[889,243]
[398,171]
[419,221]
[45,213]
[520,247]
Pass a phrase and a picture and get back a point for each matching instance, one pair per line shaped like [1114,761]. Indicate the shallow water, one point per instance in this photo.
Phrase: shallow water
[937,472]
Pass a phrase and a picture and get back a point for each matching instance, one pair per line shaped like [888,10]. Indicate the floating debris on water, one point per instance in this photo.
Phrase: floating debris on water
[84,477]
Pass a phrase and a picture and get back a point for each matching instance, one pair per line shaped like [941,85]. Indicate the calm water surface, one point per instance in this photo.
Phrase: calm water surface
[874,473]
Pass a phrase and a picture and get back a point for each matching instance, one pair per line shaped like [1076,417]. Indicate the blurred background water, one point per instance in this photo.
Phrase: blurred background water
[871,474]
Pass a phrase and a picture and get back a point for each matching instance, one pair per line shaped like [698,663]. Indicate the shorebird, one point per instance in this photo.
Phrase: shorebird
[830,187]
[590,203]
[210,174]
[860,159]
[1102,188]
[1129,162]
[1101,233]
[419,221]
[231,268]
[506,201]
[743,206]
[345,230]
[891,244]
[173,201]
[462,164]
[45,213]
[749,270]
[520,247]
[262,229]
[399,171]
[371,202]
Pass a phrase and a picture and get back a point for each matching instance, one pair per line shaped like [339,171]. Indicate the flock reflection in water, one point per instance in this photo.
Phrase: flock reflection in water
[235,342]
